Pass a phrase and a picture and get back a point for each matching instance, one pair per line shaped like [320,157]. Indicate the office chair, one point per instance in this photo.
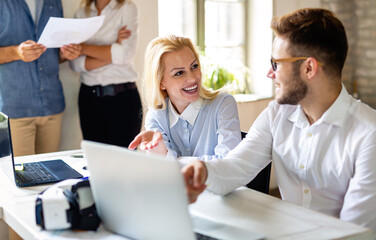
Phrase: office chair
[261,181]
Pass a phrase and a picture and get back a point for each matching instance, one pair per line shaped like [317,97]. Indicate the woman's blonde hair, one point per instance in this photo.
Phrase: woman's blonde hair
[87,3]
[154,96]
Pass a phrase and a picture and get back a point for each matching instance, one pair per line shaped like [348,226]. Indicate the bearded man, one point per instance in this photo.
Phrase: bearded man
[320,139]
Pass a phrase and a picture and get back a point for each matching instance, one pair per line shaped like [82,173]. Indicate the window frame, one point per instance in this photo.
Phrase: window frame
[200,28]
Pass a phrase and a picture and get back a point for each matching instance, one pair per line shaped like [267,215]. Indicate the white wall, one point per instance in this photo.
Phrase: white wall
[260,45]
[148,23]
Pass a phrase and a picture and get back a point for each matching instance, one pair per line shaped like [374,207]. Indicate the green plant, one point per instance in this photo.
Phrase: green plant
[234,80]
[218,77]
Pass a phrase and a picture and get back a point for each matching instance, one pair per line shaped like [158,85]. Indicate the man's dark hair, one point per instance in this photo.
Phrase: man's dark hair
[314,32]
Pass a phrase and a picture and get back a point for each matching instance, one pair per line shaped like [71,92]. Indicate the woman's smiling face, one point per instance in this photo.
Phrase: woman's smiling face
[181,78]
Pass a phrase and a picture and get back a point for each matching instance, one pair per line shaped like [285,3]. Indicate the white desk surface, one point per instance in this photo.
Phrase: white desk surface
[246,208]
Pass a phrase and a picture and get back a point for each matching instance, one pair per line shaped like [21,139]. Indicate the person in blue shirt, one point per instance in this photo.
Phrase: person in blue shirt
[31,93]
[184,118]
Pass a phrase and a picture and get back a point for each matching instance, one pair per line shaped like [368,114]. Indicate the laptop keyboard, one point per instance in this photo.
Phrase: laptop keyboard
[200,236]
[35,172]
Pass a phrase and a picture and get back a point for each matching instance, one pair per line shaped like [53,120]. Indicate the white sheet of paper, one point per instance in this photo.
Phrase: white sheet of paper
[63,31]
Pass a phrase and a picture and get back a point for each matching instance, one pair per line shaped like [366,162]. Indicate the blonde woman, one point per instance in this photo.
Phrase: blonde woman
[184,118]
[109,102]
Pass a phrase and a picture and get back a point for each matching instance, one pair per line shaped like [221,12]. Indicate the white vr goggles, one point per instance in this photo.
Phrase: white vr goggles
[67,205]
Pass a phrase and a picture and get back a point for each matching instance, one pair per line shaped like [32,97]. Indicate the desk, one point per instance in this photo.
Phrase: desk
[244,207]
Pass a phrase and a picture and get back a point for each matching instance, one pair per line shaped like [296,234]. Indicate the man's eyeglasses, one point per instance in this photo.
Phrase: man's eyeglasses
[290,60]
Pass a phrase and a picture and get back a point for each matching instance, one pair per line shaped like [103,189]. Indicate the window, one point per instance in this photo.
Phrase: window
[224,33]
[178,17]
[224,30]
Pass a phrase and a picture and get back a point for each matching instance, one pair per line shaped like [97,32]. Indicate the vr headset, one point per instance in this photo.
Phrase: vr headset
[67,205]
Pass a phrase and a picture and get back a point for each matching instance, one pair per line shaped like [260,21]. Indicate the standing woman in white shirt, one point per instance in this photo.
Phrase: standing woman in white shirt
[184,118]
[109,103]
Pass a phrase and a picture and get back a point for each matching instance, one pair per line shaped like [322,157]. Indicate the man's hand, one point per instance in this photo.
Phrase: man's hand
[149,141]
[29,50]
[123,34]
[195,175]
[70,52]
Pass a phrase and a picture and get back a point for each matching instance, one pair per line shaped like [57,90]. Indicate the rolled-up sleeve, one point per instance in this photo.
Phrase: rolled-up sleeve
[78,64]
[125,52]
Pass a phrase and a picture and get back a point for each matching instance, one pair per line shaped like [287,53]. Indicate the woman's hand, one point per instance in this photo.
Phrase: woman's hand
[149,141]
[123,34]
[70,52]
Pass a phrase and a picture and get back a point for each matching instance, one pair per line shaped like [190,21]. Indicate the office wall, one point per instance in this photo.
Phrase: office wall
[359,74]
[148,22]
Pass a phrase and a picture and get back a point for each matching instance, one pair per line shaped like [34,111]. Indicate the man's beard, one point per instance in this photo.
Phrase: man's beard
[296,90]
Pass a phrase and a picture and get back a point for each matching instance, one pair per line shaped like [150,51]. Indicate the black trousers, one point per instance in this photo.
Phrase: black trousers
[114,119]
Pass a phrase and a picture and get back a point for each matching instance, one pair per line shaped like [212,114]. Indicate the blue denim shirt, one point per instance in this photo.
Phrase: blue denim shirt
[29,89]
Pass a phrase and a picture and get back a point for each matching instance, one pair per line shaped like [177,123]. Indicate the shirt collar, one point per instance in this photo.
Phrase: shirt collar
[189,114]
[334,115]
[299,117]
[111,4]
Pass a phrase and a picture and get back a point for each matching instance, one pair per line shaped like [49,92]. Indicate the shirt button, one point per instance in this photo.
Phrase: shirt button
[309,135]
[301,166]
[40,68]
[306,191]
[187,149]
[42,89]
[186,130]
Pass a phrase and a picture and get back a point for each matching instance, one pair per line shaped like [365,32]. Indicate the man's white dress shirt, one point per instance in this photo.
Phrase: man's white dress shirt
[329,166]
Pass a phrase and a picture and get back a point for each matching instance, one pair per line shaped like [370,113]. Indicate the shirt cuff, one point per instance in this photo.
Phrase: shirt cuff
[210,177]
[78,64]
[117,55]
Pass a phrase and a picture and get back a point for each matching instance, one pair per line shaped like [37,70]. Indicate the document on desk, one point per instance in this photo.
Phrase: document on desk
[63,31]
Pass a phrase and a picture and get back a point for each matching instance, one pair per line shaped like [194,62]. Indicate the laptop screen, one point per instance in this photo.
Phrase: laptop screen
[6,154]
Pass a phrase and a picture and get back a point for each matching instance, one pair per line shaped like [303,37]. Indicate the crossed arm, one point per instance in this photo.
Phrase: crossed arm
[100,55]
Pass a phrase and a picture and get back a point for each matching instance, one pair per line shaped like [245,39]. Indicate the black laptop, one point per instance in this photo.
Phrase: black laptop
[34,173]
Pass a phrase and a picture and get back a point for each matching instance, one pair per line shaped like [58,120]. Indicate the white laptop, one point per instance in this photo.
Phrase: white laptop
[143,196]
